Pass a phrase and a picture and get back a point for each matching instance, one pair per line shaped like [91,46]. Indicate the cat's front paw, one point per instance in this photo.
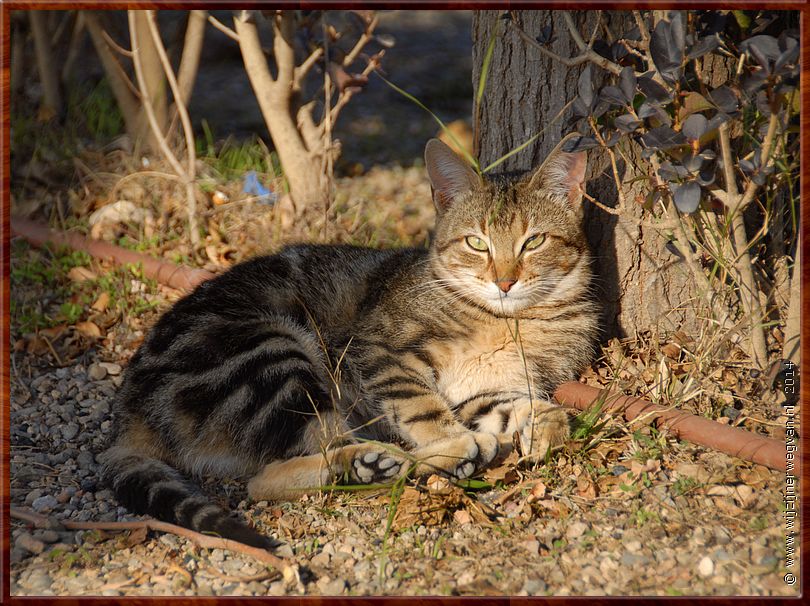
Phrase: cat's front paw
[375,467]
[546,429]
[458,456]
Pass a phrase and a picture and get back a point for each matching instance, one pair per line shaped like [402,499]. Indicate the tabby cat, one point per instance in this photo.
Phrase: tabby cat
[303,368]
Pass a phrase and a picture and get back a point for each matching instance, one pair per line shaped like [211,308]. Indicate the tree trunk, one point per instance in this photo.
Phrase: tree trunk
[46,65]
[640,283]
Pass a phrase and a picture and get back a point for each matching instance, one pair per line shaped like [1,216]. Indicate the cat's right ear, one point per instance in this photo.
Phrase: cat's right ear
[450,176]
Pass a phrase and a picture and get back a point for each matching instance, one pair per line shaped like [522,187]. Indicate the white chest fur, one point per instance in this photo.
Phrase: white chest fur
[489,360]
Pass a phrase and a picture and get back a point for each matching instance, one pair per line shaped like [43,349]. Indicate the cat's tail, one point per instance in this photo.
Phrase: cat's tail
[149,486]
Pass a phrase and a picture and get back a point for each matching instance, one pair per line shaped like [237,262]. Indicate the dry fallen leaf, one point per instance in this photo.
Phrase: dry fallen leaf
[136,537]
[88,329]
[81,274]
[462,516]
[102,302]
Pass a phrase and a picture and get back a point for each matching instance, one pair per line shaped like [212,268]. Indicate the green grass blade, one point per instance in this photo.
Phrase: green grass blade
[482,78]
[438,120]
[519,148]
[531,140]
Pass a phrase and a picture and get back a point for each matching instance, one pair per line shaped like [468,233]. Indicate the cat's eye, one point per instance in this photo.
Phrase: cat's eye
[476,243]
[534,242]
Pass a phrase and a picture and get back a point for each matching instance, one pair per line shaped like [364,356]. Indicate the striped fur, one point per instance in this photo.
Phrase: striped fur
[327,363]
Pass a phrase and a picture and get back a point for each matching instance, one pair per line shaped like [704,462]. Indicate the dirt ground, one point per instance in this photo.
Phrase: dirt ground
[621,509]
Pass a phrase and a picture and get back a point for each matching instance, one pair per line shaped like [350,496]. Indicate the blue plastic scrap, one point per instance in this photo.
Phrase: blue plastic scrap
[252,187]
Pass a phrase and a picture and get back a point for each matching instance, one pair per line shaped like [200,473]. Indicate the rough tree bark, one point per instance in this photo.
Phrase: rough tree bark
[640,282]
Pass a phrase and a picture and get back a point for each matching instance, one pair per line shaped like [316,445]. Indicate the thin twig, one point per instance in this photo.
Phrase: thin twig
[223,28]
[302,70]
[201,540]
[191,152]
[361,42]
[114,45]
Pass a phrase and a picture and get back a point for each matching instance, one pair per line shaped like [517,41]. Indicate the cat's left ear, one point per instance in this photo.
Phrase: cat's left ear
[562,175]
[450,176]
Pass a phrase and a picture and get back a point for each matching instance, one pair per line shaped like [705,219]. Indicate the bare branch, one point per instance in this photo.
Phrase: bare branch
[46,66]
[284,51]
[643,29]
[191,194]
[201,540]
[739,238]
[588,55]
[223,28]
[190,59]
[147,101]
[302,70]
[126,93]
[348,93]
[361,42]
[114,45]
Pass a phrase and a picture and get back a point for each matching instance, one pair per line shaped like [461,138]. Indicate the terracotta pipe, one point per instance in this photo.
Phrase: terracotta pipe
[683,425]
[165,272]
[730,440]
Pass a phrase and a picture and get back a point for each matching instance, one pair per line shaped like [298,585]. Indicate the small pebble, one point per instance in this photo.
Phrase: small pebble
[96,372]
[111,368]
[29,543]
[706,567]
[44,504]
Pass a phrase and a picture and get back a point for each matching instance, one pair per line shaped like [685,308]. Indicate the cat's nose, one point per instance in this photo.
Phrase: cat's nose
[505,285]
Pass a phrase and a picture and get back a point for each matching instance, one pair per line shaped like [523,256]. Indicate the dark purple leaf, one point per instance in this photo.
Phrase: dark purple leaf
[633,34]
[627,83]
[671,247]
[614,138]
[577,144]
[662,138]
[704,45]
[706,176]
[545,35]
[763,104]
[677,34]
[601,108]
[627,123]
[648,110]
[672,172]
[692,163]
[753,82]
[790,54]
[715,121]
[612,95]
[666,47]
[763,48]
[585,87]
[724,99]
[653,91]
[686,196]
[695,127]
[602,48]
[579,108]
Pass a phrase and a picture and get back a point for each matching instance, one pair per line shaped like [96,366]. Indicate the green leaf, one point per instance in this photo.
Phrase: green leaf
[471,484]
[743,20]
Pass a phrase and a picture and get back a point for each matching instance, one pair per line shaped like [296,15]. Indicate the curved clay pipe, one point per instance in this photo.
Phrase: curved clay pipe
[165,272]
[683,425]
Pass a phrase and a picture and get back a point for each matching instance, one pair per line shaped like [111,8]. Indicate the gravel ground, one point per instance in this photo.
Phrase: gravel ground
[564,541]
